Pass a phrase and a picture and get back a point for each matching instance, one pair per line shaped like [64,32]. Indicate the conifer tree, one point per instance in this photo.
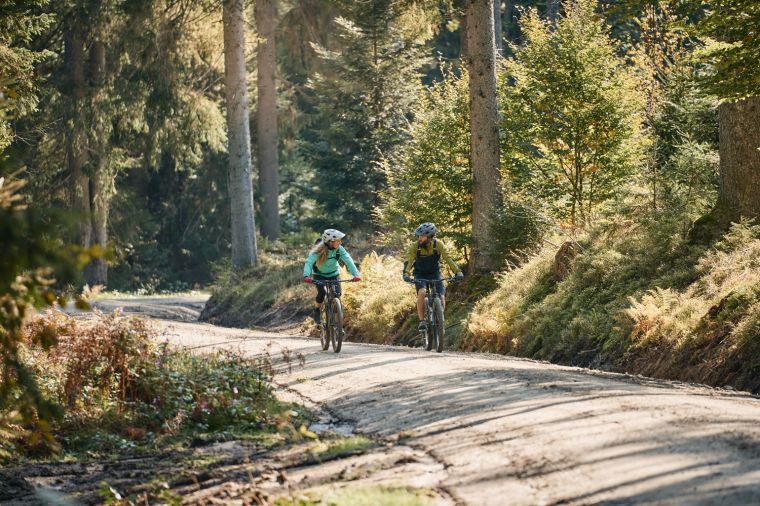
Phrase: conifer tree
[363,100]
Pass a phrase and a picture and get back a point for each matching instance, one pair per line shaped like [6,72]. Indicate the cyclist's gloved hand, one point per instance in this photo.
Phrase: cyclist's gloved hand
[307,279]
[356,278]
[407,278]
[459,276]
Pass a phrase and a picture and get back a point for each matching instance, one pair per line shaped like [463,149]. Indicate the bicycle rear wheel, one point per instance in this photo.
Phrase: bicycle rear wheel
[440,328]
[337,325]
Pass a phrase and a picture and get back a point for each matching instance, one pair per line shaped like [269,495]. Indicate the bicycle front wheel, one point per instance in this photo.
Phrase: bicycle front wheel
[440,329]
[324,329]
[337,325]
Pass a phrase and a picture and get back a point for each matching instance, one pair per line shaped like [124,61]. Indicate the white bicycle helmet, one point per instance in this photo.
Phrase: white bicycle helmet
[427,229]
[331,234]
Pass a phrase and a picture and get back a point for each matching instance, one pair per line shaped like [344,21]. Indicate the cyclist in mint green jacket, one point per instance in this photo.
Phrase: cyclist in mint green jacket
[322,264]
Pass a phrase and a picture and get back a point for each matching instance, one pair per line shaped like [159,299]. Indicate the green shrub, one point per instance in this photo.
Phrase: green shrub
[434,179]
[572,113]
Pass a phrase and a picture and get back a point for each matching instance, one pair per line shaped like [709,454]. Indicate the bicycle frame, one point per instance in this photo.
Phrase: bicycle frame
[328,326]
[330,284]
[431,294]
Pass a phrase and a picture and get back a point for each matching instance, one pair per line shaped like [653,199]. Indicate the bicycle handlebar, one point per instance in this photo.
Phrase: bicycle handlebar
[416,280]
[331,281]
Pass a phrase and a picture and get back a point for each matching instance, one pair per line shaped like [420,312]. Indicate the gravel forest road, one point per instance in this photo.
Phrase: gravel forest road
[502,430]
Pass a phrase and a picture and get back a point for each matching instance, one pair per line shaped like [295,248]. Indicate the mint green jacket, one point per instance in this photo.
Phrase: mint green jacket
[330,268]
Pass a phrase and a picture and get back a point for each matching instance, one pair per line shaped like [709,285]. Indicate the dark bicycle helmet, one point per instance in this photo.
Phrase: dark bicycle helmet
[427,229]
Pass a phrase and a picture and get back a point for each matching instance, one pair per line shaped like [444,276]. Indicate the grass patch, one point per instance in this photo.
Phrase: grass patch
[364,496]
[271,294]
[641,299]
[341,447]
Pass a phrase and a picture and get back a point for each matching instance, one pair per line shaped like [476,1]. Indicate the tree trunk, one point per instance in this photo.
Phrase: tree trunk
[101,181]
[739,124]
[76,152]
[484,129]
[463,36]
[238,137]
[552,10]
[266,118]
[497,26]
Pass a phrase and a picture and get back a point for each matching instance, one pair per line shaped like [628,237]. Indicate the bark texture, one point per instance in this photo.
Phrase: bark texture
[239,137]
[76,152]
[497,26]
[102,178]
[739,124]
[266,118]
[481,63]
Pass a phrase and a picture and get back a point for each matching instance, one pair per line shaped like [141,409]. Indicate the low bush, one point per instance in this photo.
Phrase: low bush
[123,389]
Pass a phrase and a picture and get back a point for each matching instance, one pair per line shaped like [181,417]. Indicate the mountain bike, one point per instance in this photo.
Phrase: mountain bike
[436,330]
[331,330]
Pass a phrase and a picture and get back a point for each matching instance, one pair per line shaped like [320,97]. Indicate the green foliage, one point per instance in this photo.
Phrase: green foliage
[154,126]
[642,299]
[432,180]
[516,231]
[125,391]
[179,229]
[679,170]
[29,260]
[572,114]
[733,47]
[364,100]
[20,23]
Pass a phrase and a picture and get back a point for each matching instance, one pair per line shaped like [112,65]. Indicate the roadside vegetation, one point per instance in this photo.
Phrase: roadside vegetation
[157,419]
[124,391]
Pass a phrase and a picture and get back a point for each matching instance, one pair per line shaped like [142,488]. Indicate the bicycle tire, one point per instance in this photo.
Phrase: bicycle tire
[440,328]
[337,325]
[429,332]
[324,329]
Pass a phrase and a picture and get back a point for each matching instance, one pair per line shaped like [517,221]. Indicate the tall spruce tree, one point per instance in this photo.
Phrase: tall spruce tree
[484,129]
[239,139]
[266,118]
[363,100]
[735,51]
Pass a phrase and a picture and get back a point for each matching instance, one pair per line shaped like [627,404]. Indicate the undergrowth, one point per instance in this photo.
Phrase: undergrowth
[124,391]
[272,292]
[637,299]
